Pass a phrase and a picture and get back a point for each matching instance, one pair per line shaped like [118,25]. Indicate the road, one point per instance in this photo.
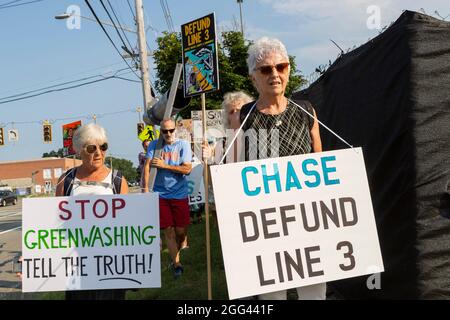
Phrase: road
[10,249]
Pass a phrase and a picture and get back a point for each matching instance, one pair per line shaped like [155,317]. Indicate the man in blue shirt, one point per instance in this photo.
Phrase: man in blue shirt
[171,183]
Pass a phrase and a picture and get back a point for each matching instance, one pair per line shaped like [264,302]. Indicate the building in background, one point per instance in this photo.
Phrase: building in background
[34,176]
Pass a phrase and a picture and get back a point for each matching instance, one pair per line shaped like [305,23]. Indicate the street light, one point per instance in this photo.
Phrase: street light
[240,10]
[66,15]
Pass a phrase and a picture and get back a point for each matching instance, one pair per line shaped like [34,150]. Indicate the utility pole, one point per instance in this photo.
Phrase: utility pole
[240,11]
[139,110]
[143,54]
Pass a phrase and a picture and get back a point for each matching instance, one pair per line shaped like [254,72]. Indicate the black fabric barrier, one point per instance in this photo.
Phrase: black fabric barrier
[391,96]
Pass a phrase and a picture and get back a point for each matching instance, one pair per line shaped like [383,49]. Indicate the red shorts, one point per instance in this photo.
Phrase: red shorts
[173,213]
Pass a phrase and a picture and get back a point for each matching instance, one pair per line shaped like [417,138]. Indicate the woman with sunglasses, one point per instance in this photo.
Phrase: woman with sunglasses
[269,69]
[296,132]
[92,178]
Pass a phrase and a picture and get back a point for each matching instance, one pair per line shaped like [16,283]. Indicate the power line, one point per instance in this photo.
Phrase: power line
[106,33]
[132,11]
[126,79]
[62,89]
[125,47]
[85,116]
[58,85]
[119,23]
[4,6]
[166,11]
[60,78]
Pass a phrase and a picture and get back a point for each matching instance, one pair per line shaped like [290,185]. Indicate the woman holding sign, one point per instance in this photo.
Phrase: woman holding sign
[92,178]
[284,123]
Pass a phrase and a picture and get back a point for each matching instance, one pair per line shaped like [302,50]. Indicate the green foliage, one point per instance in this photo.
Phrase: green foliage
[192,285]
[53,153]
[125,166]
[166,57]
[233,70]
[295,79]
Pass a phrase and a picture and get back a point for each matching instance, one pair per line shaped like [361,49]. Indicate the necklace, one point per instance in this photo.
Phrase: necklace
[278,123]
[280,117]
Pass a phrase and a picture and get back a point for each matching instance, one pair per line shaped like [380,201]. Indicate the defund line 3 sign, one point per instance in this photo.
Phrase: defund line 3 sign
[200,63]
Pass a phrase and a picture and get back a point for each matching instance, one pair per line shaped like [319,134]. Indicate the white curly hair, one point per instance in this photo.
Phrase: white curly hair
[262,47]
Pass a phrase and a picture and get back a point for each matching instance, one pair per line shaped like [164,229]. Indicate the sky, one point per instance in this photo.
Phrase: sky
[39,51]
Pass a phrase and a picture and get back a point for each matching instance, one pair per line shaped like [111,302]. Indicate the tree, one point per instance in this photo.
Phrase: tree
[166,57]
[233,70]
[125,166]
[53,153]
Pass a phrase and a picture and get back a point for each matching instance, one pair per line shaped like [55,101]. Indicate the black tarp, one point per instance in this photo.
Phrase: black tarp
[391,96]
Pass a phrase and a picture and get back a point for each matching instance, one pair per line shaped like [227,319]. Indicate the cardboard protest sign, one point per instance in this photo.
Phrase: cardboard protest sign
[295,221]
[215,128]
[196,187]
[184,129]
[200,63]
[91,242]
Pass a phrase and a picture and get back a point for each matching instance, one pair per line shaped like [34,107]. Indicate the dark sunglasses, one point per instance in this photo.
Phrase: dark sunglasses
[167,131]
[281,68]
[91,148]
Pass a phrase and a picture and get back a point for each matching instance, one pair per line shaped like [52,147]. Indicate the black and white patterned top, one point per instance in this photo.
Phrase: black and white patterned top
[281,135]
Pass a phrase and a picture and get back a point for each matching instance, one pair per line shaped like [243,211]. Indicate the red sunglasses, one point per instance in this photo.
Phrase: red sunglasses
[281,68]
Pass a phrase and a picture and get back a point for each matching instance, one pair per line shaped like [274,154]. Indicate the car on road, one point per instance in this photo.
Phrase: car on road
[7,197]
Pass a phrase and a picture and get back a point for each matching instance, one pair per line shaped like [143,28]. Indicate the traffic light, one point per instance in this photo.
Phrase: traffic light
[140,127]
[2,137]
[47,130]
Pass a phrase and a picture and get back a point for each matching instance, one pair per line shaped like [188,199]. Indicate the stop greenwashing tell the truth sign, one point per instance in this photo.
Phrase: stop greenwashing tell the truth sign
[200,66]
[91,242]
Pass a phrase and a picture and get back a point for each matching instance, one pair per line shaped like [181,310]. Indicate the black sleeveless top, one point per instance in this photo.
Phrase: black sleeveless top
[284,134]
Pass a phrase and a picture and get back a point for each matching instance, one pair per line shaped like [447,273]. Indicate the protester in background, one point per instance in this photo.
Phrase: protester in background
[171,183]
[231,104]
[141,157]
[268,65]
[92,178]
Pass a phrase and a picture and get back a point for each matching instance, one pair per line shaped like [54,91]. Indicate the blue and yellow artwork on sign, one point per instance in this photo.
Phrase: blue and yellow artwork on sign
[200,64]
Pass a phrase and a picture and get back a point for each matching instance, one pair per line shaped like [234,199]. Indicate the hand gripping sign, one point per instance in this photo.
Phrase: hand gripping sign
[295,221]
[91,242]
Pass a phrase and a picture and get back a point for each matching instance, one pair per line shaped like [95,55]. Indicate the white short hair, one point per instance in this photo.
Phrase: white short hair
[167,120]
[89,133]
[261,48]
[232,97]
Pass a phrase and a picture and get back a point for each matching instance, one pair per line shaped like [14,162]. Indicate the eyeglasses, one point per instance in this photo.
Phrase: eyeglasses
[281,68]
[167,131]
[91,148]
